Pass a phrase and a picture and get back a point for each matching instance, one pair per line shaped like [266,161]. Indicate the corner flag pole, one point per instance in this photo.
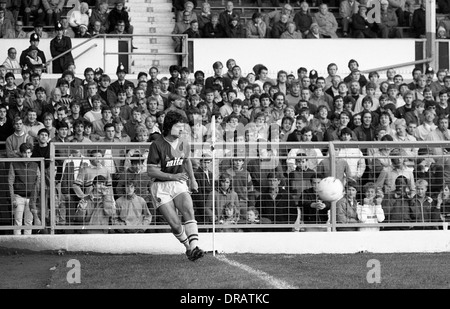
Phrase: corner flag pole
[213,151]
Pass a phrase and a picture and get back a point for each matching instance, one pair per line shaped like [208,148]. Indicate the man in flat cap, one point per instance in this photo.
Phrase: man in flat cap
[58,45]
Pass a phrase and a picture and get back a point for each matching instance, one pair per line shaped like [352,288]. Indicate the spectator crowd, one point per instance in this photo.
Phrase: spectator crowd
[351,18]
[85,20]
[108,185]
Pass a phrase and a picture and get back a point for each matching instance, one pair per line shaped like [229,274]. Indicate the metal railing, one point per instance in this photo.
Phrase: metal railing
[404,64]
[327,161]
[118,152]
[71,49]
[128,37]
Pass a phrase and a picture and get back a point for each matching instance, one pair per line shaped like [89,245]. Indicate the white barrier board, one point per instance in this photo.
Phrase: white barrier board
[289,55]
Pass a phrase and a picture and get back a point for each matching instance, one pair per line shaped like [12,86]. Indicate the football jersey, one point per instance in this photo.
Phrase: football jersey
[171,160]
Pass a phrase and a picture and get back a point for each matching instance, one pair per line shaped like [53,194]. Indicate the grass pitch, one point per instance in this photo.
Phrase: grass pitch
[242,271]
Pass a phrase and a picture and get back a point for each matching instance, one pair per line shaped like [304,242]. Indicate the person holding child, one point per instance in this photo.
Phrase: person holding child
[98,207]
[224,194]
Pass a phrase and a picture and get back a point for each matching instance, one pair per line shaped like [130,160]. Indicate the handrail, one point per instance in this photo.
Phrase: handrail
[129,36]
[92,46]
[70,50]
[426,60]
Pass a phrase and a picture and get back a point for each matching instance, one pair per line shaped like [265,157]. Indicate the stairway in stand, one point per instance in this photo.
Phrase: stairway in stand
[152,17]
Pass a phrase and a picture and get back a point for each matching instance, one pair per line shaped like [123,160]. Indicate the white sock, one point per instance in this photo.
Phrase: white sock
[182,237]
[192,233]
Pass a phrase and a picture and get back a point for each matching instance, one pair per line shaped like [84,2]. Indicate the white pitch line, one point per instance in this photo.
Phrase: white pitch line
[276,283]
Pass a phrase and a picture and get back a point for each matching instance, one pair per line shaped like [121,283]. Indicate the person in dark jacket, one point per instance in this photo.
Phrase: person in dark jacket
[275,204]
[204,178]
[58,45]
[361,28]
[119,13]
[24,181]
[303,19]
[193,32]
[314,211]
[6,126]
[418,21]
[235,29]
[213,29]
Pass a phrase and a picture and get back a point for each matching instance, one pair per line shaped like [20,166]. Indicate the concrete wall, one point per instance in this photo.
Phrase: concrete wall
[289,55]
[263,243]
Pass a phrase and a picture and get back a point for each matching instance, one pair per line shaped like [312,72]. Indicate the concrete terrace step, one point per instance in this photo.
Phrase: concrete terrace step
[151,9]
[163,66]
[156,24]
[152,17]
[162,49]
[161,19]
[147,49]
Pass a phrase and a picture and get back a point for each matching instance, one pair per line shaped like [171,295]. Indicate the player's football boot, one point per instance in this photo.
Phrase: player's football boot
[195,254]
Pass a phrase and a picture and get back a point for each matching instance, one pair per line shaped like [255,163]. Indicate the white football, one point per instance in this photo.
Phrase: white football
[330,189]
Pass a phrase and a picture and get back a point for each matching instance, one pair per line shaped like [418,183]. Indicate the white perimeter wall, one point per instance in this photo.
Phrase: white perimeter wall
[289,55]
[93,58]
[269,243]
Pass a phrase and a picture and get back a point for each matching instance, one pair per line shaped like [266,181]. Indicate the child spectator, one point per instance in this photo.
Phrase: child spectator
[371,210]
[230,216]
[132,209]
[253,218]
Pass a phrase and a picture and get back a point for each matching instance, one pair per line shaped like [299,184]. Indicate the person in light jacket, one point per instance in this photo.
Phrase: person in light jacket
[326,21]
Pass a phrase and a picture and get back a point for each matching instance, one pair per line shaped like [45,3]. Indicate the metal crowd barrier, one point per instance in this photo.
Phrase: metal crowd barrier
[295,165]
